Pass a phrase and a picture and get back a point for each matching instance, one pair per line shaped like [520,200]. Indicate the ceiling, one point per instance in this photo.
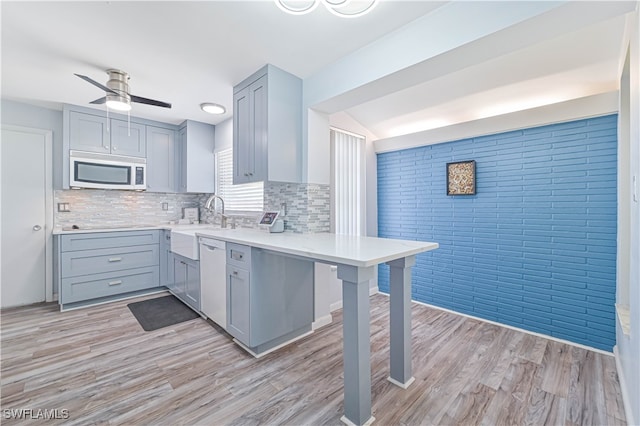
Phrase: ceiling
[187,53]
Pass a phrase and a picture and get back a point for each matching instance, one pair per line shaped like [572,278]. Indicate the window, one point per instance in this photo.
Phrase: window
[247,197]
[348,180]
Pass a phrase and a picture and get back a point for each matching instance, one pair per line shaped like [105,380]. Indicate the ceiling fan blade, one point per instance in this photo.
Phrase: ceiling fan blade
[147,101]
[95,83]
[99,101]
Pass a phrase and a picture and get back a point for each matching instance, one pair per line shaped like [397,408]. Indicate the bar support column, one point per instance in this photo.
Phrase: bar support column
[356,344]
[400,321]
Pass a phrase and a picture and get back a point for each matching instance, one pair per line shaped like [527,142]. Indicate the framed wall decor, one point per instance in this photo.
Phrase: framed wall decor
[461,178]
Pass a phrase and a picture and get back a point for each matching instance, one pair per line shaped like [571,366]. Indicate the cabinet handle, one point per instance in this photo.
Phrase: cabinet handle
[246,174]
[106,147]
[118,282]
[235,272]
[250,174]
[115,259]
[114,148]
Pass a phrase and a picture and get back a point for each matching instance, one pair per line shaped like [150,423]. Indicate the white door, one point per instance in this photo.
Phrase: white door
[23,182]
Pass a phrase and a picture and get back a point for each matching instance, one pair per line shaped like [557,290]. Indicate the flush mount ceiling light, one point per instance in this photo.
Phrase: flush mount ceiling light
[341,8]
[212,108]
[120,102]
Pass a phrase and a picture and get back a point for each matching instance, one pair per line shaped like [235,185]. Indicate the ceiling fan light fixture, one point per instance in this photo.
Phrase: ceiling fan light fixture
[212,108]
[118,103]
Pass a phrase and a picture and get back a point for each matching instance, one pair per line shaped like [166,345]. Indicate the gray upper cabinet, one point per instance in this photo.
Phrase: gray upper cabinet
[267,127]
[161,160]
[195,157]
[179,158]
[128,138]
[249,136]
[89,133]
[94,133]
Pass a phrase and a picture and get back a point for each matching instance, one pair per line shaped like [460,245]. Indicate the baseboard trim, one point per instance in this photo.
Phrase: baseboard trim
[533,333]
[321,322]
[275,348]
[626,398]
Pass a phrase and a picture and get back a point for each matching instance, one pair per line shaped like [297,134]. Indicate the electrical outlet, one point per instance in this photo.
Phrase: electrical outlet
[165,206]
[64,207]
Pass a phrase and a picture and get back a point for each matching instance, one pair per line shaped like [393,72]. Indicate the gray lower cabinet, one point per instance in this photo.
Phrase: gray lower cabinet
[166,261]
[238,304]
[94,267]
[269,297]
[185,284]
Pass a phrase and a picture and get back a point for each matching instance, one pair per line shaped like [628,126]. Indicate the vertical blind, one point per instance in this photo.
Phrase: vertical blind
[348,180]
[247,197]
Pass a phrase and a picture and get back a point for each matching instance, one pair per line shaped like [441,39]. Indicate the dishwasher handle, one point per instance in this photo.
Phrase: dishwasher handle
[211,244]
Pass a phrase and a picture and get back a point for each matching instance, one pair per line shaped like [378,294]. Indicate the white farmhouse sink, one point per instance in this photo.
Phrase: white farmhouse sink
[185,243]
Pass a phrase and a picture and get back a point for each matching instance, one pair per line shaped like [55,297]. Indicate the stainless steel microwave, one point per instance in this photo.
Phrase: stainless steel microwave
[102,171]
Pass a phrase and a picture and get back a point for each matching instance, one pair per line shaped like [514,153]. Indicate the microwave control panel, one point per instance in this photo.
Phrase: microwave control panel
[139,176]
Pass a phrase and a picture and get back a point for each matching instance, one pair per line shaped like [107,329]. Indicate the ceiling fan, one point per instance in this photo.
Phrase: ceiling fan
[117,92]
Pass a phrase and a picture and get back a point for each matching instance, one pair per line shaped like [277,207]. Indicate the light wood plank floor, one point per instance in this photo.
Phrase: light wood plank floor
[100,365]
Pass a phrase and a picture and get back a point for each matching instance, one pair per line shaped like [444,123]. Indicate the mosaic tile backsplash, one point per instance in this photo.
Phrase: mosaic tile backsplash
[307,207]
[94,208]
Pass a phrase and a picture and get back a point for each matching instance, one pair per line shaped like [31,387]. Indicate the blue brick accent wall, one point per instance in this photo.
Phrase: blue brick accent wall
[535,248]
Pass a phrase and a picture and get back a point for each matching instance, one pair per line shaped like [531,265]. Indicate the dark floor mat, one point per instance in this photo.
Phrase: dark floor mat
[161,312]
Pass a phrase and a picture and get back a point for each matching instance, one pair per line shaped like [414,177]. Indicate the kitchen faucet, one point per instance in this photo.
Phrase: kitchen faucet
[209,205]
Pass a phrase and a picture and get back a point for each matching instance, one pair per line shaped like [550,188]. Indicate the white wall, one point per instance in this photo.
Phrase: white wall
[628,346]
[329,290]
[19,114]
[318,151]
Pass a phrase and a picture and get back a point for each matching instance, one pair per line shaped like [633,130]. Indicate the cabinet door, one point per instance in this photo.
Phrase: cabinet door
[242,144]
[177,287]
[238,304]
[192,284]
[128,138]
[161,162]
[165,258]
[181,160]
[259,128]
[88,133]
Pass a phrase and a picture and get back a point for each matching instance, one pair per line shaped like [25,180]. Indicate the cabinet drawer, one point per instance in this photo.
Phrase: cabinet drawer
[75,242]
[239,255]
[108,260]
[101,285]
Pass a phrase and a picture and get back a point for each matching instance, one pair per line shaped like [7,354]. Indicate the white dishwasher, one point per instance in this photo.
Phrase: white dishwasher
[213,280]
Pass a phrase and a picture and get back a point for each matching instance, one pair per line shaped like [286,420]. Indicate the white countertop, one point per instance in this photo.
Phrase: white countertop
[89,229]
[324,247]
[330,248]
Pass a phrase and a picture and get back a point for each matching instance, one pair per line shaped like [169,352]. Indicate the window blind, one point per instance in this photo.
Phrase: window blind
[247,197]
[348,179]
